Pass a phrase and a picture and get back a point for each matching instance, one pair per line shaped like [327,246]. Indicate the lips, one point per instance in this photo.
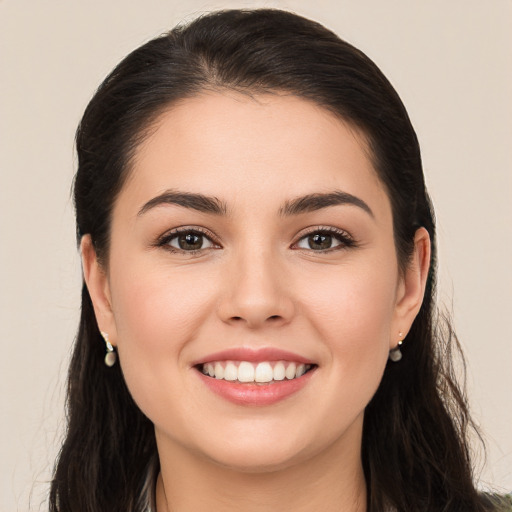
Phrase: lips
[248,376]
[254,356]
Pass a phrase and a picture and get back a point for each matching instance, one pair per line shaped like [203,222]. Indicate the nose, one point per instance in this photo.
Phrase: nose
[257,292]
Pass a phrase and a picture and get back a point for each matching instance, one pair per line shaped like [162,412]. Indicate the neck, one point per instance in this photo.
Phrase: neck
[332,481]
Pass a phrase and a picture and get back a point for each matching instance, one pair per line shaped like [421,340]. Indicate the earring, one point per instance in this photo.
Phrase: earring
[110,356]
[396,354]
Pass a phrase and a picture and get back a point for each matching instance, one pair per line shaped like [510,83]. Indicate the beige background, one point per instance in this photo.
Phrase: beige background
[451,63]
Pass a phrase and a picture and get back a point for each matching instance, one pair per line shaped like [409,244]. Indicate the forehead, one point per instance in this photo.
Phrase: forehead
[250,150]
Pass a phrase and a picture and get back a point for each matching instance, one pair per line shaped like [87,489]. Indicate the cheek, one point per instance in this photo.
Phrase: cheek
[158,313]
[353,317]
[153,303]
[351,302]
[353,310]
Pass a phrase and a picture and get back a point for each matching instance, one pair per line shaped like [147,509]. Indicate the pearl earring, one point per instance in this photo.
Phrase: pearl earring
[110,356]
[396,354]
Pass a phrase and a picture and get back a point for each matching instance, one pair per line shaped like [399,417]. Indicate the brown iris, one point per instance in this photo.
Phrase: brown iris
[190,241]
[320,241]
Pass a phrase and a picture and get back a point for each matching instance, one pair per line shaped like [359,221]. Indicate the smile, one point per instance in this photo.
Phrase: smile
[255,376]
[263,372]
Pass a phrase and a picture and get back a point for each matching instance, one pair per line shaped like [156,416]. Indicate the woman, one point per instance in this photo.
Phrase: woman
[258,329]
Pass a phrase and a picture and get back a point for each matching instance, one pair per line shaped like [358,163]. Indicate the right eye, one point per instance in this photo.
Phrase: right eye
[187,240]
[190,241]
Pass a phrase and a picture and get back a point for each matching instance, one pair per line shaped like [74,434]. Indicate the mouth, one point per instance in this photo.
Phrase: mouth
[255,377]
[251,372]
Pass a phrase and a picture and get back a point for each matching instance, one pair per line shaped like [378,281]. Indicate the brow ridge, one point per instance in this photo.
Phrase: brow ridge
[318,201]
[194,201]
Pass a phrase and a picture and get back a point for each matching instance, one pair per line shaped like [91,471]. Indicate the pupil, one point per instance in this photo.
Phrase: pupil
[190,241]
[320,241]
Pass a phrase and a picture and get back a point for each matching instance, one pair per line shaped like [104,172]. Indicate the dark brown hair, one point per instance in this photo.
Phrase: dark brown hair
[415,447]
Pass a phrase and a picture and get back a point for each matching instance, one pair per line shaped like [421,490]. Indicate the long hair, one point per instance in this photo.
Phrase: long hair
[415,448]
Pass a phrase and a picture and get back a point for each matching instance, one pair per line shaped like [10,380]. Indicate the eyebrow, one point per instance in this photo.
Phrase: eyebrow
[215,206]
[190,200]
[313,202]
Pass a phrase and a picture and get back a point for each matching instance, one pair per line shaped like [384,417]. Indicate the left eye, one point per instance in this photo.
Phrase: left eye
[189,241]
[322,241]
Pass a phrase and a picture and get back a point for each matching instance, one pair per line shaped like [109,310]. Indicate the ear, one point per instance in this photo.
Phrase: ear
[99,289]
[411,288]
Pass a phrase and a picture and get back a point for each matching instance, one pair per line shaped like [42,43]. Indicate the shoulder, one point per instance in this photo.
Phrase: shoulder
[502,503]
[507,501]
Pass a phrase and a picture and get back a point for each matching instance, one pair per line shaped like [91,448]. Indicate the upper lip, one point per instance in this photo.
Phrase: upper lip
[253,355]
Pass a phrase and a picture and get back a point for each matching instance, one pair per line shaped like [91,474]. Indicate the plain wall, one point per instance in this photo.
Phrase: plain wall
[451,62]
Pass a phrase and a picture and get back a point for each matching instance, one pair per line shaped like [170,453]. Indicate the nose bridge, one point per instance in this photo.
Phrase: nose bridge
[257,293]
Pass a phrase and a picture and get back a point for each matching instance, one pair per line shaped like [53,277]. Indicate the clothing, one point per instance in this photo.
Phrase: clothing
[502,503]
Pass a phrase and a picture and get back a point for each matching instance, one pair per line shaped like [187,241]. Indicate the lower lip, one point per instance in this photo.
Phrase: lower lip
[256,394]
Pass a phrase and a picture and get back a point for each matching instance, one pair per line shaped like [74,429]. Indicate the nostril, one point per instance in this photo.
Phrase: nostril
[272,319]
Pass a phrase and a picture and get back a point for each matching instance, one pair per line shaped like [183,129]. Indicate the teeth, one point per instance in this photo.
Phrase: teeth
[246,372]
[279,371]
[263,372]
[290,371]
[219,371]
[230,372]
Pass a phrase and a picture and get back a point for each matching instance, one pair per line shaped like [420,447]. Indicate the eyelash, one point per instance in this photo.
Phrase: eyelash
[165,240]
[346,241]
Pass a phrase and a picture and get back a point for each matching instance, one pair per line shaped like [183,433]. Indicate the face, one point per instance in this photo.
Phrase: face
[252,241]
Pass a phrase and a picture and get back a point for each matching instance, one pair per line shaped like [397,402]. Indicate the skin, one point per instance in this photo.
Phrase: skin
[257,284]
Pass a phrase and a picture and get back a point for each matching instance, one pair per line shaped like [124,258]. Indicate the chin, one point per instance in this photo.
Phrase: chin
[256,460]
[263,451]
